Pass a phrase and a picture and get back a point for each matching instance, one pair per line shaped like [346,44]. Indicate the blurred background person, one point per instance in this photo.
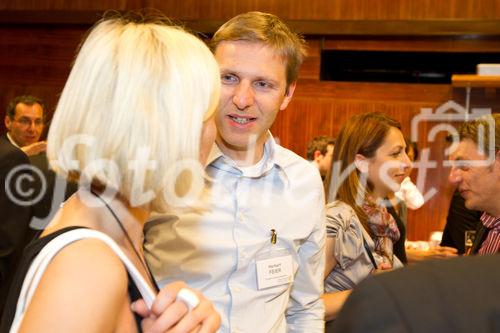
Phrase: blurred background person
[320,152]
[24,121]
[369,162]
[129,99]
[15,215]
[459,222]
[476,173]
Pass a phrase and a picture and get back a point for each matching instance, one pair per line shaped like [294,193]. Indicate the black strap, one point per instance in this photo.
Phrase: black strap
[370,254]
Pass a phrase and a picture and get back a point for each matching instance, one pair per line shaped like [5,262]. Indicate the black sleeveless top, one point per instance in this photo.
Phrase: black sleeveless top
[29,254]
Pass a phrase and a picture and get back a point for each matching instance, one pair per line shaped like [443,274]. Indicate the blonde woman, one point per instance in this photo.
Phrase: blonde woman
[131,113]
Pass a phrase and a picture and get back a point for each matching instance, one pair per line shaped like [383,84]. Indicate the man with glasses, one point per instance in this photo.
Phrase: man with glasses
[25,122]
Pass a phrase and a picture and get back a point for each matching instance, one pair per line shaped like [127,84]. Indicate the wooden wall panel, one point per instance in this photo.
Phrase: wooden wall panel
[436,44]
[287,9]
[37,61]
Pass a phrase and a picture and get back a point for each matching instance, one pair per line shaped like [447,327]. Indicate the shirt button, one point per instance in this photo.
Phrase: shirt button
[236,289]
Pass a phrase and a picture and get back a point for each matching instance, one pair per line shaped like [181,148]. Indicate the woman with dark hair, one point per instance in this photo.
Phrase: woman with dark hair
[369,161]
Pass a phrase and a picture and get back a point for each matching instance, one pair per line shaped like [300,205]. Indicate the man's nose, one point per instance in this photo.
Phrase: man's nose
[32,126]
[455,176]
[243,95]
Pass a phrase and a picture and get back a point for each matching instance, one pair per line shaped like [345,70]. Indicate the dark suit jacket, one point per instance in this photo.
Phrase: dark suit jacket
[481,234]
[459,220]
[52,193]
[456,295]
[14,218]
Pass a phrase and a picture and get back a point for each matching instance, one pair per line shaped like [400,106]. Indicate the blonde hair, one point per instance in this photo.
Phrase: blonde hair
[137,91]
[267,29]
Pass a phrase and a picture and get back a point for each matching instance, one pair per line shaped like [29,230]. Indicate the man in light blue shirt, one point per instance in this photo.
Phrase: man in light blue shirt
[256,246]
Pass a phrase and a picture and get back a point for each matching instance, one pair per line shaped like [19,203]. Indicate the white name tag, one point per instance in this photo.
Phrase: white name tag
[274,271]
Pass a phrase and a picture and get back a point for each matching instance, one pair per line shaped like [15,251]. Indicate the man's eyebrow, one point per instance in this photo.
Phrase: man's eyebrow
[267,79]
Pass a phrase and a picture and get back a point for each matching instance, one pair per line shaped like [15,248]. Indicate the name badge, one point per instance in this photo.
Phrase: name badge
[274,271]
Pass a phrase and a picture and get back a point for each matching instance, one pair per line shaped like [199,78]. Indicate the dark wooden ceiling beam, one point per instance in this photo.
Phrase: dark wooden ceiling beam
[443,27]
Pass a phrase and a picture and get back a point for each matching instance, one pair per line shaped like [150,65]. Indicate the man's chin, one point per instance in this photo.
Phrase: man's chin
[470,204]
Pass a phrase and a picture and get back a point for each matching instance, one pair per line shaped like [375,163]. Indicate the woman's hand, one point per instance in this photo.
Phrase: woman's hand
[383,267]
[171,315]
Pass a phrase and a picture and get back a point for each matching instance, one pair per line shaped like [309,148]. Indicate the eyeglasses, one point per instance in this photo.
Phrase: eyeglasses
[26,122]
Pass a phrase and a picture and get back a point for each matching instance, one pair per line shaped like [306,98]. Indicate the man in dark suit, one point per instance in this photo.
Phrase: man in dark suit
[15,216]
[25,122]
[456,295]
[27,189]
[459,221]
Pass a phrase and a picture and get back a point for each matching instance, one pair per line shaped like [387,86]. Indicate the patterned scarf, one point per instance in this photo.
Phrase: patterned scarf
[383,227]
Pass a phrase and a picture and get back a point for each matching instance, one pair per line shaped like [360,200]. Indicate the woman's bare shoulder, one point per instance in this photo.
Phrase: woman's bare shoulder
[82,290]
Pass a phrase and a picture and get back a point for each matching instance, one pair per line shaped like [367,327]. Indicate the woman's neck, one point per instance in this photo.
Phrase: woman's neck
[87,210]
[377,196]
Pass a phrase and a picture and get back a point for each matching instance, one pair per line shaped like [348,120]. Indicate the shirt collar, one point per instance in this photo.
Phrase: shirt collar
[12,140]
[490,222]
[273,152]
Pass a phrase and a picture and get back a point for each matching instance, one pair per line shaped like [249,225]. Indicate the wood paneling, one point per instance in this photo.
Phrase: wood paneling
[435,44]
[318,17]
[37,61]
[287,9]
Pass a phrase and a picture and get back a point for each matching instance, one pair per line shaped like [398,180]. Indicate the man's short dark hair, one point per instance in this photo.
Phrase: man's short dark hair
[320,143]
[25,99]
[479,131]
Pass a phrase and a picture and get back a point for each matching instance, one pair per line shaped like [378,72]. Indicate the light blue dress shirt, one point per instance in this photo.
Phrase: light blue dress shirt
[214,249]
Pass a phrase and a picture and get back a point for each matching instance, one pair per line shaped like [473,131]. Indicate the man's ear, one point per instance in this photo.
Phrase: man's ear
[361,163]
[288,95]
[316,154]
[7,122]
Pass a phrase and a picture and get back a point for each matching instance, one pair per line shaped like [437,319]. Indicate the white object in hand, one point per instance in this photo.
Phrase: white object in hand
[410,194]
[188,297]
